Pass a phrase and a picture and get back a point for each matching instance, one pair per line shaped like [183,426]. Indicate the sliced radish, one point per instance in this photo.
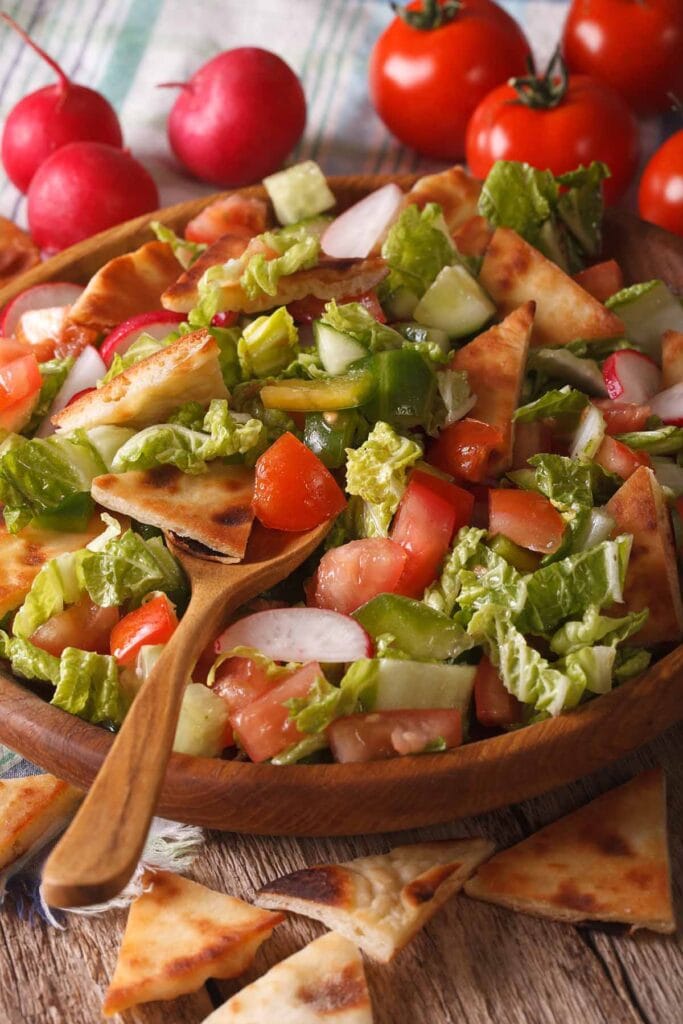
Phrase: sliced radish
[40,296]
[299,634]
[158,324]
[83,376]
[355,232]
[668,405]
[631,376]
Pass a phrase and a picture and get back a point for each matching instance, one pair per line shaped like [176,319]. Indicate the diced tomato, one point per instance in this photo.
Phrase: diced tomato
[353,573]
[10,349]
[293,490]
[151,623]
[16,416]
[235,215]
[616,457]
[494,706]
[621,417]
[601,280]
[83,625]
[530,439]
[527,518]
[19,378]
[464,449]
[308,309]
[370,301]
[239,681]
[263,726]
[431,511]
[382,734]
[227,318]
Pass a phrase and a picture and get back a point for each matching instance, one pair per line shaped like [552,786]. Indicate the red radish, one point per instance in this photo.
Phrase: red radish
[84,188]
[82,376]
[238,117]
[631,376]
[668,405]
[158,324]
[40,296]
[354,233]
[80,394]
[52,117]
[226,318]
[299,634]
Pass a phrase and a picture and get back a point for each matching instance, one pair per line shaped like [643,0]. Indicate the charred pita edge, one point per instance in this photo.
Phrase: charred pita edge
[672,358]
[455,190]
[183,291]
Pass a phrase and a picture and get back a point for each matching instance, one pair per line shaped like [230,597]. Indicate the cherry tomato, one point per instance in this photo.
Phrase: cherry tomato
[633,45]
[464,448]
[527,518]
[264,726]
[151,623]
[660,194]
[381,734]
[354,573]
[83,625]
[622,417]
[426,81]
[293,490]
[616,457]
[494,706]
[601,280]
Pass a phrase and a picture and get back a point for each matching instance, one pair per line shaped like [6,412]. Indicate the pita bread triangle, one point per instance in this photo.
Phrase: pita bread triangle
[379,901]
[324,983]
[456,192]
[672,358]
[495,363]
[513,272]
[639,508]
[32,811]
[608,861]
[180,933]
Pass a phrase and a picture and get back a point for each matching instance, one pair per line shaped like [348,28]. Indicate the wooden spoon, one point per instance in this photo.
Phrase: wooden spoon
[101,848]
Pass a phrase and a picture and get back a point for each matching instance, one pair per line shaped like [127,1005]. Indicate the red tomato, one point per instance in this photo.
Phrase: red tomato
[431,511]
[616,457]
[232,215]
[354,573]
[425,82]
[635,47]
[527,518]
[660,194]
[293,490]
[263,726]
[567,131]
[530,439]
[151,623]
[227,318]
[621,417]
[84,625]
[601,280]
[382,734]
[10,349]
[239,681]
[494,706]
[18,379]
[464,448]
[16,416]
[305,311]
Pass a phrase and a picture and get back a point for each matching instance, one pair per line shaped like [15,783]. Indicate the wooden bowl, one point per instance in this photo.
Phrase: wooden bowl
[406,792]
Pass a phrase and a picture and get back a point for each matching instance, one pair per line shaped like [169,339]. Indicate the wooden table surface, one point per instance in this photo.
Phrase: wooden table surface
[472,964]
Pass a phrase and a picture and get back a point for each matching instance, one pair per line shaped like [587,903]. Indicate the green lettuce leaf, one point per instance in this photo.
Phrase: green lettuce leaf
[568,483]
[185,252]
[28,661]
[630,662]
[416,249]
[268,344]
[190,415]
[128,568]
[442,595]
[376,472]
[453,399]
[595,628]
[298,247]
[564,401]
[53,373]
[660,441]
[354,319]
[88,686]
[146,345]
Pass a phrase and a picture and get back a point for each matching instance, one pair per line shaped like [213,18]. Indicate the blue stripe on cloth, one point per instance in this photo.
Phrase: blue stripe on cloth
[130,46]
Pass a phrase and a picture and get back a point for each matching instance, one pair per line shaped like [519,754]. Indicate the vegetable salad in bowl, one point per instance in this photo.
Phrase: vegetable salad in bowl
[490,422]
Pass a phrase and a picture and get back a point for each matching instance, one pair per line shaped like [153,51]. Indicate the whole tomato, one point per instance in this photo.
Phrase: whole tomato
[435,62]
[636,46]
[555,122]
[660,194]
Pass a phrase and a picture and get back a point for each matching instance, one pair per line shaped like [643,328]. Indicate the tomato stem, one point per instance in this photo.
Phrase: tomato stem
[543,92]
[433,13]
[64,81]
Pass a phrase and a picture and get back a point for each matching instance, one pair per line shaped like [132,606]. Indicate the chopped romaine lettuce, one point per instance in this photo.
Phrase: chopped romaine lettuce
[648,309]
[596,628]
[443,594]
[54,373]
[88,686]
[416,249]
[298,247]
[354,319]
[28,661]
[630,662]
[146,345]
[190,415]
[268,344]
[455,397]
[185,252]
[565,401]
[659,441]
[376,472]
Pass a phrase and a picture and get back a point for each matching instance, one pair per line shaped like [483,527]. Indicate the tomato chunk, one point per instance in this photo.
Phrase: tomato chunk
[431,511]
[494,706]
[83,625]
[621,417]
[18,379]
[151,623]
[464,449]
[16,416]
[601,280]
[382,734]
[10,349]
[293,489]
[264,727]
[239,681]
[354,573]
[616,457]
[527,518]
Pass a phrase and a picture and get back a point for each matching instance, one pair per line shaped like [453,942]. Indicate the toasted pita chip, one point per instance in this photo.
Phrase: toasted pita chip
[126,286]
[18,252]
[639,508]
[513,272]
[608,861]
[495,364]
[180,933]
[236,214]
[213,508]
[324,983]
[672,358]
[456,192]
[379,901]
[187,370]
[472,238]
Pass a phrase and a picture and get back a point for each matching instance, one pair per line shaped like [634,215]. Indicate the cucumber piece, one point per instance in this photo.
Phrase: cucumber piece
[564,366]
[412,331]
[421,632]
[399,304]
[648,309]
[518,557]
[404,684]
[345,392]
[456,303]
[299,192]
[336,350]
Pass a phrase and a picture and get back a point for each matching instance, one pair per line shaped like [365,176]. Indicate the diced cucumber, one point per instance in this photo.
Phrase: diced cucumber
[456,303]
[336,350]
[648,309]
[345,392]
[417,684]
[420,631]
[412,331]
[564,366]
[399,304]
[298,192]
[589,434]
[518,557]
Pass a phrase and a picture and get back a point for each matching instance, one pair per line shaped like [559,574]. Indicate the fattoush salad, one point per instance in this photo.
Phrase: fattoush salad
[487,415]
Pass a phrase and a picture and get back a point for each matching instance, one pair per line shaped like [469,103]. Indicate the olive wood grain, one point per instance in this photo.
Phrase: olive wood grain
[407,792]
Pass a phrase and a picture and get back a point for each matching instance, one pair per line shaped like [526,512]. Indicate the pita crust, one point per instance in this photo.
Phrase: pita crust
[381,901]
[323,983]
[472,237]
[213,508]
[672,358]
[187,370]
[608,861]
[32,811]
[513,272]
[495,364]
[639,508]
[180,933]
[126,286]
[18,252]
[456,192]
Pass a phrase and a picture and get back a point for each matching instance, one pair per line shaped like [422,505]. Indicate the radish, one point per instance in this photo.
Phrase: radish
[84,188]
[668,405]
[355,233]
[299,634]
[631,376]
[50,118]
[238,117]
[83,376]
[40,296]
[158,324]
